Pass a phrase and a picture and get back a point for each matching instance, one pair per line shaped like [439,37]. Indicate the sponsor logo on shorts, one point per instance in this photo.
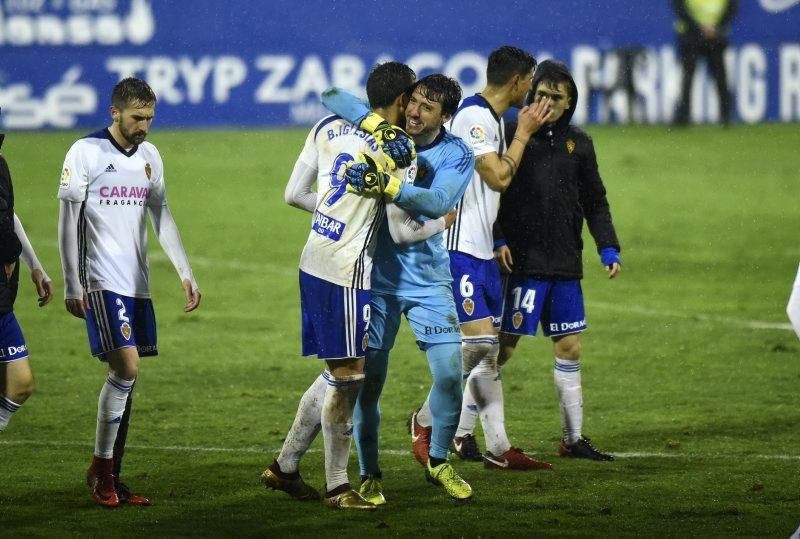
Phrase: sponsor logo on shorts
[365,342]
[148,348]
[517,319]
[567,326]
[439,330]
[125,329]
[11,351]
[469,306]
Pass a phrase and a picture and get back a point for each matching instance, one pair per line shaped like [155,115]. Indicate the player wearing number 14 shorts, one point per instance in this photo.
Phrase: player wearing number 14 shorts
[477,287]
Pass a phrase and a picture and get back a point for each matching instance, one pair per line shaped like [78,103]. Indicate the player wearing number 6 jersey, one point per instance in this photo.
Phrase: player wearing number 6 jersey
[477,286]
[335,273]
[110,182]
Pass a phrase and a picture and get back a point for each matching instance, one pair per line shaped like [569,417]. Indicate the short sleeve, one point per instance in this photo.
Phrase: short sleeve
[478,129]
[310,155]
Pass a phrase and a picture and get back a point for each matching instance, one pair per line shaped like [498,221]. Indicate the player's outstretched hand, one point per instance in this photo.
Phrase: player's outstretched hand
[192,296]
[367,177]
[77,307]
[396,145]
[44,288]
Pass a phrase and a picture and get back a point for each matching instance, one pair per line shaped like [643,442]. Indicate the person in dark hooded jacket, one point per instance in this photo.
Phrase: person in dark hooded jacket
[538,244]
[16,377]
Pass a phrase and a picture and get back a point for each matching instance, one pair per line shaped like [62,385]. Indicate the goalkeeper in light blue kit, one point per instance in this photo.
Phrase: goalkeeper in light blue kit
[414,279]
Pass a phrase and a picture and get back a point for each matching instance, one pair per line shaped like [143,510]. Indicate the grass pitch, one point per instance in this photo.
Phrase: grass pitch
[690,372]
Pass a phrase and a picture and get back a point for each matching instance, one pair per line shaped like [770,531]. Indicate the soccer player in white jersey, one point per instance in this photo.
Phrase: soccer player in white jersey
[335,269]
[111,180]
[16,377]
[477,286]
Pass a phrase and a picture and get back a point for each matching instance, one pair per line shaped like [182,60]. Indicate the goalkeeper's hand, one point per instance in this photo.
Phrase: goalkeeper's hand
[367,177]
[395,143]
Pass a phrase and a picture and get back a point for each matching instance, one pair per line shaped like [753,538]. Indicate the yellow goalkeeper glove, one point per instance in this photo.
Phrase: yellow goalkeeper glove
[395,143]
[367,177]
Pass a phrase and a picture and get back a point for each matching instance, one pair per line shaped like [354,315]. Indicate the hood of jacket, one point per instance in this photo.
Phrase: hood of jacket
[555,71]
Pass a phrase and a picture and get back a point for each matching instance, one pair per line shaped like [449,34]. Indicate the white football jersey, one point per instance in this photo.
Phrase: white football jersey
[344,226]
[476,122]
[115,188]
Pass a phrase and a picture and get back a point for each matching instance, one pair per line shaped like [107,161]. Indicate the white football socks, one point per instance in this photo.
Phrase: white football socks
[337,426]
[424,415]
[567,377]
[307,423]
[7,409]
[473,350]
[110,407]
[469,413]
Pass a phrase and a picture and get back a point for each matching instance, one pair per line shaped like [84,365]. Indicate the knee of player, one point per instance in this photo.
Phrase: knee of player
[20,392]
[473,352]
[568,348]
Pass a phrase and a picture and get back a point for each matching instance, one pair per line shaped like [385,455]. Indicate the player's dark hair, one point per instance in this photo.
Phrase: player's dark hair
[442,89]
[132,92]
[386,81]
[506,62]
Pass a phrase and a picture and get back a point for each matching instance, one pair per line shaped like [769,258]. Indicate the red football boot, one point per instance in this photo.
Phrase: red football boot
[420,439]
[100,479]
[514,459]
[126,496]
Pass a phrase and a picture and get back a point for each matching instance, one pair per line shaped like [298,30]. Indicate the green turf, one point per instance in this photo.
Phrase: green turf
[700,403]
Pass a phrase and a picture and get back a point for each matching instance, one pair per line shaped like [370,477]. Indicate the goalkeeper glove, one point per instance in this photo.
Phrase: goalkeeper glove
[609,256]
[395,143]
[366,177]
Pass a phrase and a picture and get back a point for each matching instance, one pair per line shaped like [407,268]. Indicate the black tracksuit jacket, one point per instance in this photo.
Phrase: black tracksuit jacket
[10,247]
[557,186]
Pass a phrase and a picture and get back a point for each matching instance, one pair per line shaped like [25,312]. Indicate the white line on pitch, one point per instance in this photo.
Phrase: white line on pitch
[395,452]
[749,324]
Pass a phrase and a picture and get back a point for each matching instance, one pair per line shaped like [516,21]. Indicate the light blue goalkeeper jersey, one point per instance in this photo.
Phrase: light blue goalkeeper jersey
[444,170]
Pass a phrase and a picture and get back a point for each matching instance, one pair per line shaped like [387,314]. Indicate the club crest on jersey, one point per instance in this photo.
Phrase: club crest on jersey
[125,329]
[468,305]
[65,177]
[570,145]
[517,319]
[422,171]
[476,134]
[148,170]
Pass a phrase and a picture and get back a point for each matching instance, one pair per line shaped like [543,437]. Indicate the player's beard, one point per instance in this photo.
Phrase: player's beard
[133,137]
